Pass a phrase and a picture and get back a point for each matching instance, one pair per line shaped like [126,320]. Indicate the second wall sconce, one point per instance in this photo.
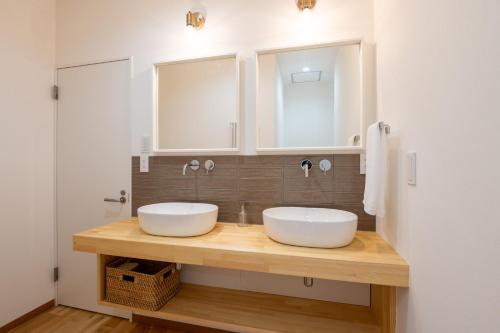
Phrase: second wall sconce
[306,4]
[195,20]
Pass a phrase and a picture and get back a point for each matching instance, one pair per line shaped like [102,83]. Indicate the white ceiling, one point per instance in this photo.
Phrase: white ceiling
[320,59]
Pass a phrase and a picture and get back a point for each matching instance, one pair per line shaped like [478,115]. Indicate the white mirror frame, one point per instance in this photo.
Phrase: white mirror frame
[196,152]
[315,150]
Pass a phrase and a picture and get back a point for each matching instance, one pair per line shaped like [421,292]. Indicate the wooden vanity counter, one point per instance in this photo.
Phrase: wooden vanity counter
[368,259]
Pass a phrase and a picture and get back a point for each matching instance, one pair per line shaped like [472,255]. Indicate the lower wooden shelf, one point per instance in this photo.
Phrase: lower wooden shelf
[245,311]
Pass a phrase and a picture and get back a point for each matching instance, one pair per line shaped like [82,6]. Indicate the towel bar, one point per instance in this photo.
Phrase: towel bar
[384,126]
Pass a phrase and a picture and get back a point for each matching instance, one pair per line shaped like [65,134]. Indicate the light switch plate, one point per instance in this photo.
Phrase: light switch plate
[362,164]
[144,158]
[144,162]
[412,168]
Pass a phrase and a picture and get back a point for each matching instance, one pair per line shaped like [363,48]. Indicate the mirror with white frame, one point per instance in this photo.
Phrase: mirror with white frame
[197,106]
[309,98]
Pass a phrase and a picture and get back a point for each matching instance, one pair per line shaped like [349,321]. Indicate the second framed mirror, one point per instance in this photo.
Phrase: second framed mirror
[310,99]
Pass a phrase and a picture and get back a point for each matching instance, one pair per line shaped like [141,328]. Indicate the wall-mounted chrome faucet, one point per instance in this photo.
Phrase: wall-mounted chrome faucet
[194,165]
[306,165]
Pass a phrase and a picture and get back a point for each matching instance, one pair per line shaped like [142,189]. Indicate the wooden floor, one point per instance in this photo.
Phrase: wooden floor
[68,320]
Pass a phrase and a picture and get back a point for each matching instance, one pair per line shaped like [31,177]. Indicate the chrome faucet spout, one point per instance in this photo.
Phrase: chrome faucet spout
[184,168]
[306,165]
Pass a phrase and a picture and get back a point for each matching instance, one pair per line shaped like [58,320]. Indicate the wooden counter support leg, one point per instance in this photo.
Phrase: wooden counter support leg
[383,303]
[102,261]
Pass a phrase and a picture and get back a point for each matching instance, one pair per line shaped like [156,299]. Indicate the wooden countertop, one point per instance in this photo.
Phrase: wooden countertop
[368,259]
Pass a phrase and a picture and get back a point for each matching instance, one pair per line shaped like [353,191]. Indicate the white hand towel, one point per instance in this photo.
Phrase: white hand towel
[376,164]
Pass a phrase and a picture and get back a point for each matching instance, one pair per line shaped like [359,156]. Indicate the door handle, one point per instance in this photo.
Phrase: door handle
[123,198]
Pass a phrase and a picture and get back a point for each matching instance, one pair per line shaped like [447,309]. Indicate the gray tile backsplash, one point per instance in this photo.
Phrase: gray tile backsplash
[261,181]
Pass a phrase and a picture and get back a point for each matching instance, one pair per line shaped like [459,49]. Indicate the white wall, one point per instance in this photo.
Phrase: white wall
[308,114]
[154,30]
[268,100]
[280,108]
[26,166]
[347,101]
[343,292]
[439,88]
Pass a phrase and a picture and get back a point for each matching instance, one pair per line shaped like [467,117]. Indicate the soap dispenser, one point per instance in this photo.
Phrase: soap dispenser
[242,216]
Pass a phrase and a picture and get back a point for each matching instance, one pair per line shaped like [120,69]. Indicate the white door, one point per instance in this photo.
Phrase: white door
[93,163]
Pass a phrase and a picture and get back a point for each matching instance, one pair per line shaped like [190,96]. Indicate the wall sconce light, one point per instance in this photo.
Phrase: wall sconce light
[306,5]
[195,20]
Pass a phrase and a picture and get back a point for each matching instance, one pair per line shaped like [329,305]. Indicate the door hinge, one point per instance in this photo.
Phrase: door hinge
[56,274]
[55,92]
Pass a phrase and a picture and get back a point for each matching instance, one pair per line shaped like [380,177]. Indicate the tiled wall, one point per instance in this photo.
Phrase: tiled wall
[260,181]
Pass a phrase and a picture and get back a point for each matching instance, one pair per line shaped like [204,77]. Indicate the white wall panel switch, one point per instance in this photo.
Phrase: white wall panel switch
[412,168]
[144,162]
[362,164]
[145,148]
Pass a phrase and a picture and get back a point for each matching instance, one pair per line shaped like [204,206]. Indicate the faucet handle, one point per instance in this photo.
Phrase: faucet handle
[325,166]
[209,166]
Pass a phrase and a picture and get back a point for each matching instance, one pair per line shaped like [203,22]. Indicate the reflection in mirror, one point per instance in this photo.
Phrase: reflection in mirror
[197,104]
[309,97]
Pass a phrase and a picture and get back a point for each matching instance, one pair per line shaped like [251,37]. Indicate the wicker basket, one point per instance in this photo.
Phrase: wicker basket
[149,286]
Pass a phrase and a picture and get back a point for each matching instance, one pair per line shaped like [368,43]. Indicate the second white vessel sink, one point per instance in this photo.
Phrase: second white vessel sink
[178,219]
[310,227]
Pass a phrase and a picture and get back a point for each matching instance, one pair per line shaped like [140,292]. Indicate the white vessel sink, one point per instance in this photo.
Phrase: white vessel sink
[178,219]
[311,227]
